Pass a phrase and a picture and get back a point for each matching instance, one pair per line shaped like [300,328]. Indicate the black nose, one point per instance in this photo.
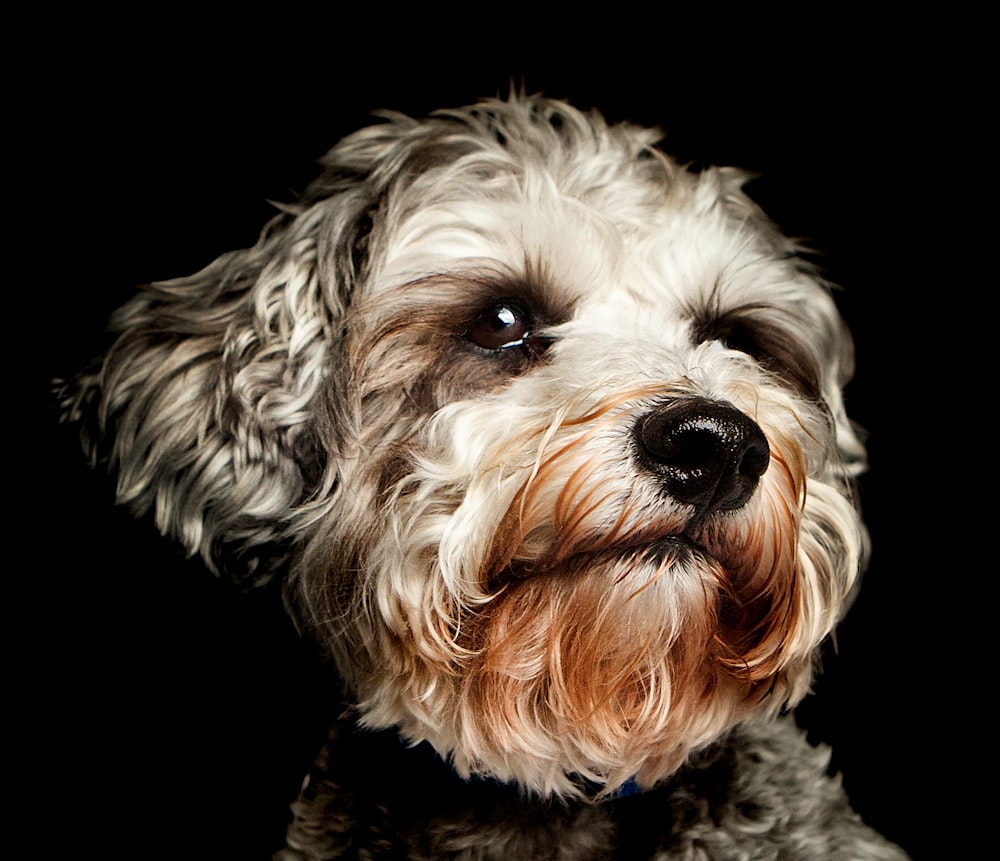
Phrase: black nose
[707,453]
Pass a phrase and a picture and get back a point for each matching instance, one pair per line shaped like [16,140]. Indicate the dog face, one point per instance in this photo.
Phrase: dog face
[544,430]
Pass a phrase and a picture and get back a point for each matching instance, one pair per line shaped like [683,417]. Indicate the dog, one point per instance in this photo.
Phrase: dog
[544,433]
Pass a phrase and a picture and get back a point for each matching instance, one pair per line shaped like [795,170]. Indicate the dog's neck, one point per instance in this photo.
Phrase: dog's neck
[437,768]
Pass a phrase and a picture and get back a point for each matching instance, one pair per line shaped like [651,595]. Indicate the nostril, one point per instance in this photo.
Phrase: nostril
[753,463]
[706,453]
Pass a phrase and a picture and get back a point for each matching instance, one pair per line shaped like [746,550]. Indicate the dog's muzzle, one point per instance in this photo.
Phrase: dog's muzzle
[706,453]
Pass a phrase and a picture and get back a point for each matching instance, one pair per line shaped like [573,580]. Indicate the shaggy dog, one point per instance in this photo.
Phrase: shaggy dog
[544,433]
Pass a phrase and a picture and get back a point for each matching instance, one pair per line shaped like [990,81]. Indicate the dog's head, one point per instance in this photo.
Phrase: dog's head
[544,429]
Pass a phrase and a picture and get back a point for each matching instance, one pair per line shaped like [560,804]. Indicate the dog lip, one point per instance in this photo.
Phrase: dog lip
[680,545]
[674,547]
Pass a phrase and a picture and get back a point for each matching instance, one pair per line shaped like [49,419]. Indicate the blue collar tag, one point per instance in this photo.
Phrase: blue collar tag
[626,790]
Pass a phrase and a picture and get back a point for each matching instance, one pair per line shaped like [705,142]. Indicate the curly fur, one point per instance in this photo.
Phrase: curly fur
[474,530]
[763,793]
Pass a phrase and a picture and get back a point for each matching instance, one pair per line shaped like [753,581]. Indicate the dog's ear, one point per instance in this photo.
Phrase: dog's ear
[204,405]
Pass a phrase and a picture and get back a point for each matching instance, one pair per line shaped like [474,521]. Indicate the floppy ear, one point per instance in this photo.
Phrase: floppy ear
[203,407]
[206,407]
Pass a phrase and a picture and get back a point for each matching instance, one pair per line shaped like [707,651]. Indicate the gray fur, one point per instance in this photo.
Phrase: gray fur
[761,794]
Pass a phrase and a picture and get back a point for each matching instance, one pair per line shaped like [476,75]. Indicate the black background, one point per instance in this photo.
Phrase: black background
[167,715]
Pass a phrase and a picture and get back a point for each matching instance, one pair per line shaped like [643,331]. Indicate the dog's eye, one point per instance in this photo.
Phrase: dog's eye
[501,327]
[733,333]
[772,346]
[742,337]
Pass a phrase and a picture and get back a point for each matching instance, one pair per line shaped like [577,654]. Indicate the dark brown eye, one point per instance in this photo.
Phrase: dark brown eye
[501,327]
[773,346]
[742,337]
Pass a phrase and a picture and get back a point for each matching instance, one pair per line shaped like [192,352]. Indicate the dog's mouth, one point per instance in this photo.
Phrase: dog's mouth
[675,548]
[661,554]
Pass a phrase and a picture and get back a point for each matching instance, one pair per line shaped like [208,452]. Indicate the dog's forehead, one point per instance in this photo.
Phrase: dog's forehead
[645,246]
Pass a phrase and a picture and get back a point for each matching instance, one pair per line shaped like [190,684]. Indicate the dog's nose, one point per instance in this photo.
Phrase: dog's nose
[707,453]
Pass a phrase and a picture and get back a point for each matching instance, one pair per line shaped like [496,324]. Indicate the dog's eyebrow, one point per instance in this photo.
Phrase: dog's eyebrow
[470,289]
